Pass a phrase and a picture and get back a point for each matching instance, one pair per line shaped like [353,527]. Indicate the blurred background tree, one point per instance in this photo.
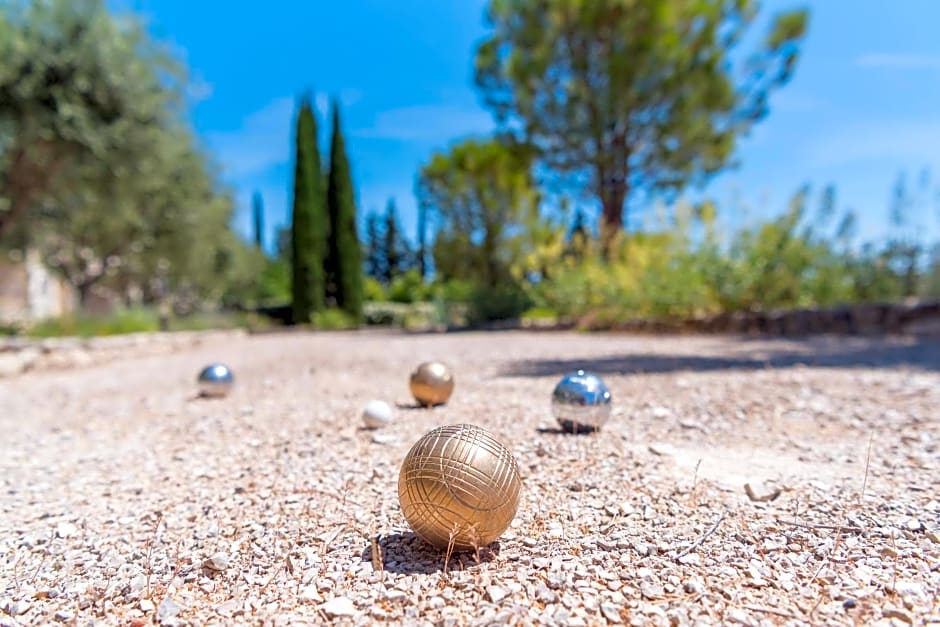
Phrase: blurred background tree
[99,170]
[343,266]
[608,114]
[634,97]
[310,222]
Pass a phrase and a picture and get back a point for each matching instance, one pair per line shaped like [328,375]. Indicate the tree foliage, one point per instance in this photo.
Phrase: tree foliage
[257,219]
[375,248]
[76,85]
[637,97]
[309,222]
[344,252]
[98,171]
[398,254]
[483,196]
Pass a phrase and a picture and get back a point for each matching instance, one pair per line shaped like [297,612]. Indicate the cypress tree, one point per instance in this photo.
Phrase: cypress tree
[257,209]
[309,226]
[344,257]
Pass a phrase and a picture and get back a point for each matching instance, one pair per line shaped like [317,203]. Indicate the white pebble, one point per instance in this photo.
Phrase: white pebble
[309,593]
[339,606]
[377,414]
[219,562]
[496,593]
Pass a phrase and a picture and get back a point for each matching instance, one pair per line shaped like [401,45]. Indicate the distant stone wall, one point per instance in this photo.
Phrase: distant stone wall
[30,292]
[19,355]
[865,319]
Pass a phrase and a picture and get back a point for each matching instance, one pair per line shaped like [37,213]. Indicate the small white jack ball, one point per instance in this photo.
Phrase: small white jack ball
[376,414]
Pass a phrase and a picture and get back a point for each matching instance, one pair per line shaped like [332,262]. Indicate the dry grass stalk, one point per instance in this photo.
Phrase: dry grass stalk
[704,536]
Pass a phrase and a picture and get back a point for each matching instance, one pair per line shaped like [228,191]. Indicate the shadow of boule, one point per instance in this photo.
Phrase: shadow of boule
[406,553]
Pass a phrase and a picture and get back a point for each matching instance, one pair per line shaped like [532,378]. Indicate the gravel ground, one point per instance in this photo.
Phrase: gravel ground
[125,500]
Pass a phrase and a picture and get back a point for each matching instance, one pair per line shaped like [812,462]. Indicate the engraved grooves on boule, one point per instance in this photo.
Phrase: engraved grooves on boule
[459,480]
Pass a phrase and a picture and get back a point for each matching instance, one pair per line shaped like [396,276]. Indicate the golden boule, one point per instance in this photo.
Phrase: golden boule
[432,383]
[459,487]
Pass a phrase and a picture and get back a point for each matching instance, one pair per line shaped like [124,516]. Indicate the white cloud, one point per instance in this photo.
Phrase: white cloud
[427,123]
[263,140]
[347,98]
[198,89]
[789,101]
[899,61]
[907,141]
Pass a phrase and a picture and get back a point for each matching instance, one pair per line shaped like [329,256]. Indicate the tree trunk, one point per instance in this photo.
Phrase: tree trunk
[12,216]
[614,175]
[84,291]
[18,189]
[612,192]
[612,202]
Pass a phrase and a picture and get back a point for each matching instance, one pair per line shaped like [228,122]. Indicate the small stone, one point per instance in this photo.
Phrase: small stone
[339,606]
[496,593]
[909,588]
[556,581]
[914,525]
[228,608]
[63,616]
[611,612]
[661,412]
[146,605]
[167,610]
[18,608]
[651,590]
[66,530]
[892,612]
[395,595]
[739,616]
[217,562]
[383,438]
[760,492]
[543,594]
[849,603]
[309,593]
[690,559]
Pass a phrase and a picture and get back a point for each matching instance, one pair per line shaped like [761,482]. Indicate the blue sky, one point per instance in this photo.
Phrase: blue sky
[863,107]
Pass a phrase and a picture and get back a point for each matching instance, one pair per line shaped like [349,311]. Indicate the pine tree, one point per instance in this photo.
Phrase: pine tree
[257,209]
[309,226]
[578,236]
[422,238]
[375,248]
[397,251]
[344,257]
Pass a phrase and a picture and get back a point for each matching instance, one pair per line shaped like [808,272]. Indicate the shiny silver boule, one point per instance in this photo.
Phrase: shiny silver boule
[581,402]
[215,381]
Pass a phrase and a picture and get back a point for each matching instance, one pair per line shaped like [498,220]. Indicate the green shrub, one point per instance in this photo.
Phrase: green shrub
[503,302]
[409,288]
[333,319]
[385,313]
[135,320]
[372,290]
